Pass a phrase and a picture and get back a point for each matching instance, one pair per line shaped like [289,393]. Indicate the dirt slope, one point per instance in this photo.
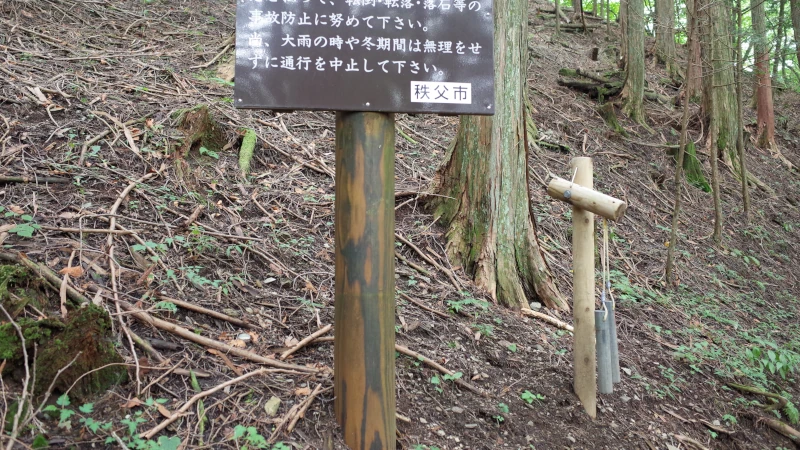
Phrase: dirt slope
[261,248]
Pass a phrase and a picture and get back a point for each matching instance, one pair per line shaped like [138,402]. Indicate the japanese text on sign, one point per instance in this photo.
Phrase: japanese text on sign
[365,55]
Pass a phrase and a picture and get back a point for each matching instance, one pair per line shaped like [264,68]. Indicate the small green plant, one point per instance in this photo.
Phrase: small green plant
[437,382]
[484,329]
[455,306]
[774,360]
[24,229]
[131,422]
[253,439]
[731,420]
[530,397]
[512,348]
[503,409]
[211,153]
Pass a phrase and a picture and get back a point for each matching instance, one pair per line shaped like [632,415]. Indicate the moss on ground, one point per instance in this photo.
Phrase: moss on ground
[84,336]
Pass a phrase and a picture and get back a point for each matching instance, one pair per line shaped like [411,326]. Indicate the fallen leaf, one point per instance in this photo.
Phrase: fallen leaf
[290,341]
[132,403]
[149,123]
[163,410]
[237,343]
[310,287]
[16,209]
[253,336]
[75,272]
[6,227]
[275,269]
[303,391]
[68,215]
[225,336]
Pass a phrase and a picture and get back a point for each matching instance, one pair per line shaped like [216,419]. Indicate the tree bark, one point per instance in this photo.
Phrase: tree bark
[780,33]
[693,84]
[633,91]
[740,113]
[763,88]
[483,185]
[719,95]
[795,7]
[665,37]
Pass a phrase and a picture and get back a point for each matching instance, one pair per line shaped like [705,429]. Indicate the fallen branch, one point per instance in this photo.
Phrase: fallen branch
[690,441]
[427,361]
[207,342]
[89,230]
[208,312]
[305,341]
[177,414]
[548,319]
[780,427]
[101,135]
[35,179]
[779,401]
[438,313]
[45,273]
[305,404]
[430,260]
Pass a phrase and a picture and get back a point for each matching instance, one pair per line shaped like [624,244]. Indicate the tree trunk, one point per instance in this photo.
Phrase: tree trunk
[693,84]
[483,185]
[633,91]
[740,112]
[665,36]
[577,8]
[763,88]
[719,95]
[780,32]
[795,6]
[623,25]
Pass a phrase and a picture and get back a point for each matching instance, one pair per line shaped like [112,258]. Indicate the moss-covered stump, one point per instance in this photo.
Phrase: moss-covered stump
[200,131]
[85,334]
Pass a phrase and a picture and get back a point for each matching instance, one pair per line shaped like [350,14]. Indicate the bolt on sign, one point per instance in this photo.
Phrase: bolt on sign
[411,56]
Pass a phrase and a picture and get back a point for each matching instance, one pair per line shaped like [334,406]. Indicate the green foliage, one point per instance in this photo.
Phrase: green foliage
[484,329]
[24,229]
[775,360]
[253,439]
[246,151]
[530,397]
[477,306]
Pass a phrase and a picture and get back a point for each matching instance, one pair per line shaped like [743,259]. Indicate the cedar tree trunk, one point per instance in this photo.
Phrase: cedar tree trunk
[795,6]
[694,83]
[483,185]
[665,37]
[765,114]
[719,94]
[633,91]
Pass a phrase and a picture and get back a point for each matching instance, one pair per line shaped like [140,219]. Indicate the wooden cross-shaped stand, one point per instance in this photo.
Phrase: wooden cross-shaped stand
[586,202]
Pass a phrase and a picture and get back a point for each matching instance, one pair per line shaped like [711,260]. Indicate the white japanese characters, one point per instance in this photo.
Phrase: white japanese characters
[430,44]
[435,92]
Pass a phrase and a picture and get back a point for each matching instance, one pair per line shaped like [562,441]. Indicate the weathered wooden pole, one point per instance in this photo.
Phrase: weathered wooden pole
[364,366]
[586,202]
[585,384]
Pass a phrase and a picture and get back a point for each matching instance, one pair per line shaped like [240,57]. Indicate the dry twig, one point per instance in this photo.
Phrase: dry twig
[305,341]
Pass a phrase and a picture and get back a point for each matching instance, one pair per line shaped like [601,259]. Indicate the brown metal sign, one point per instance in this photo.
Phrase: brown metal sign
[413,56]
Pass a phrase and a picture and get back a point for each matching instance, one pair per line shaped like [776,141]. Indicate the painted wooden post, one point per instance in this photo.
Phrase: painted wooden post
[585,203]
[364,364]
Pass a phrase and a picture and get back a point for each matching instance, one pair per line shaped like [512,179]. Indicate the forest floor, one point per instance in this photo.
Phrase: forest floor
[261,249]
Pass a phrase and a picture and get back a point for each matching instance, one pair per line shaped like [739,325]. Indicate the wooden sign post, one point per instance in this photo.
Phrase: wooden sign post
[364,379]
[586,202]
[352,56]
